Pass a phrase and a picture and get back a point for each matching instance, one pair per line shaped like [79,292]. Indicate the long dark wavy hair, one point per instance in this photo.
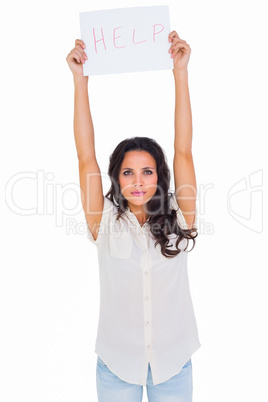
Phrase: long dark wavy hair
[162,219]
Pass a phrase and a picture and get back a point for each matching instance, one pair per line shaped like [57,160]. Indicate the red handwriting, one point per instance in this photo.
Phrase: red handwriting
[155,32]
[95,41]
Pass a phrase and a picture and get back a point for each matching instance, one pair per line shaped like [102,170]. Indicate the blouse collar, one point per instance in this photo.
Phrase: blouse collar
[132,217]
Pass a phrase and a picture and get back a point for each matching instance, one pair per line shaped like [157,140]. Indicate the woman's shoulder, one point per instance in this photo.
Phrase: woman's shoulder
[109,204]
[172,201]
[110,208]
[174,205]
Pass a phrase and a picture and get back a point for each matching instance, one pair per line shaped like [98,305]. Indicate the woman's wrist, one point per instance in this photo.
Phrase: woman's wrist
[80,79]
[180,72]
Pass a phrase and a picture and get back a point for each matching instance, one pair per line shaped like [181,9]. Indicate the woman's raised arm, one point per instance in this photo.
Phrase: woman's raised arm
[183,166]
[89,172]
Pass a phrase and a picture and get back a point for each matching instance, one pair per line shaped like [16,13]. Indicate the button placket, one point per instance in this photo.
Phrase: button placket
[146,264]
[146,269]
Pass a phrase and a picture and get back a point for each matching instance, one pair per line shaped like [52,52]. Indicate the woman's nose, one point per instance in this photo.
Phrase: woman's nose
[137,180]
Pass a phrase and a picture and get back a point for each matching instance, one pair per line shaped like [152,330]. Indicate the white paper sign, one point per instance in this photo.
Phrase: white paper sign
[126,40]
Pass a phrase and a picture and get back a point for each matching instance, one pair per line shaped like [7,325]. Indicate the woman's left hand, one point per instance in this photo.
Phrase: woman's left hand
[180,51]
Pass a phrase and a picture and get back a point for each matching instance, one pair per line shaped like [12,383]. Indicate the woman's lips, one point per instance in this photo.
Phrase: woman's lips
[138,193]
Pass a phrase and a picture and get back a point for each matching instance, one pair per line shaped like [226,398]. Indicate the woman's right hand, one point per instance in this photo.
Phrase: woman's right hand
[76,58]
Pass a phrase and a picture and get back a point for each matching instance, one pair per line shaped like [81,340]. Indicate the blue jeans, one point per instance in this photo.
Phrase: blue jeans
[110,388]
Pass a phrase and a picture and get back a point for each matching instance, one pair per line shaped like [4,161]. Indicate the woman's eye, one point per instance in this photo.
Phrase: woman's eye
[127,172]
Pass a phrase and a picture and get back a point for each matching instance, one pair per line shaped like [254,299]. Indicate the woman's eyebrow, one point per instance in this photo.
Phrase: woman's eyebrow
[147,167]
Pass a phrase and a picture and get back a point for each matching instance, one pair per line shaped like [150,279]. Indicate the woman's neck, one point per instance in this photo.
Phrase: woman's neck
[139,212]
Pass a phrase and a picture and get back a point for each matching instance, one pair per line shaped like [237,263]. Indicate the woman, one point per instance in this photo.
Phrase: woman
[147,330]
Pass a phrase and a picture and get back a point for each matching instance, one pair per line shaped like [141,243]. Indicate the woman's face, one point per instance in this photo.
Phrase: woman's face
[138,177]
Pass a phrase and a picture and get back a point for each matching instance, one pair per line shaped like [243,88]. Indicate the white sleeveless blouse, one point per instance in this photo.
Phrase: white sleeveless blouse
[146,312]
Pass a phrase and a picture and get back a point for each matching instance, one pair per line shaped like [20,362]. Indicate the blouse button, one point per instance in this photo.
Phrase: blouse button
[147,323]
[144,251]
[148,346]
[146,298]
[146,273]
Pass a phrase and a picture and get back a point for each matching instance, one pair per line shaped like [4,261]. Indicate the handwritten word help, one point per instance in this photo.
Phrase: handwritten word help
[156,30]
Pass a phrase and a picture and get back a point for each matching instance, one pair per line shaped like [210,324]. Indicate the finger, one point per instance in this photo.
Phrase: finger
[177,40]
[80,49]
[80,42]
[180,45]
[77,56]
[172,35]
[175,43]
[80,52]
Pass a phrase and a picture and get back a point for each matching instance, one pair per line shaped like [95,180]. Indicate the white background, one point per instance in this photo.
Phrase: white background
[49,283]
